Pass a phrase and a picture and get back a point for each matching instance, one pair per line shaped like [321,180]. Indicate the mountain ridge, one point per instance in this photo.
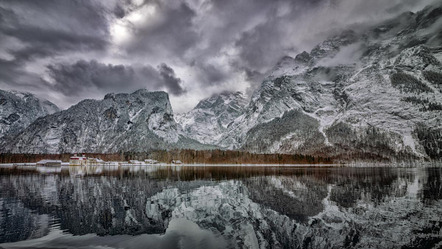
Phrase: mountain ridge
[19,109]
[371,93]
[374,93]
[139,121]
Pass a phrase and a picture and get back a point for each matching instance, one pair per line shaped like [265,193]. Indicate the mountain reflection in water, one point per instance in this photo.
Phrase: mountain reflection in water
[220,207]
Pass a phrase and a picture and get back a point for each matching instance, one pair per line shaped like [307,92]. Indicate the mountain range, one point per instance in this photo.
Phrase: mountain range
[363,93]
[140,121]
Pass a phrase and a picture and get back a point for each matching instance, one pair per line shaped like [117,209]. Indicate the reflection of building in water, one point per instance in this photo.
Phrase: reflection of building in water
[318,208]
[136,162]
[150,161]
[49,163]
[94,161]
[413,186]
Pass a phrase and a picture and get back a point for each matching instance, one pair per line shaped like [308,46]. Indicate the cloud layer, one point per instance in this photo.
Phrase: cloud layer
[68,50]
[88,78]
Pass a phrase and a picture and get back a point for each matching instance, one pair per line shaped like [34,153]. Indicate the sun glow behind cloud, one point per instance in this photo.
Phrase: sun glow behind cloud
[210,46]
[124,29]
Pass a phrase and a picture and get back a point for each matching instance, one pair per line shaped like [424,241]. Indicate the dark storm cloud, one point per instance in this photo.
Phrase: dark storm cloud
[15,77]
[98,46]
[48,27]
[32,30]
[256,45]
[210,74]
[170,33]
[119,11]
[213,75]
[7,70]
[172,83]
[189,33]
[84,77]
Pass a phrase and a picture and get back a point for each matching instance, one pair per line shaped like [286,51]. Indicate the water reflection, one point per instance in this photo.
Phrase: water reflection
[220,207]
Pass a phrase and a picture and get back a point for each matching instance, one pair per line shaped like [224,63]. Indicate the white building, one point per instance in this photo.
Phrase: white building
[78,160]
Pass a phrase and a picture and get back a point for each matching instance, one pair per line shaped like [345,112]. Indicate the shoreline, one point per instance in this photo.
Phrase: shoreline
[116,164]
[124,164]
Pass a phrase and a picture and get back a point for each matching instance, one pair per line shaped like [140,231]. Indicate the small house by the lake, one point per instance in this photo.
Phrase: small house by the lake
[78,160]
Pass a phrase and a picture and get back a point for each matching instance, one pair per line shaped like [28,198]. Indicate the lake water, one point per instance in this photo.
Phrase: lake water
[220,207]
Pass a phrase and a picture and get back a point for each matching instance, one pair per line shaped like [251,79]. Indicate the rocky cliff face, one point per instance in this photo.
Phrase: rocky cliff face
[120,122]
[370,93]
[18,110]
[211,118]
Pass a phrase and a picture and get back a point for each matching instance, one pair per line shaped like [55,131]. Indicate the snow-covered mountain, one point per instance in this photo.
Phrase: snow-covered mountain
[211,118]
[120,122]
[19,109]
[366,93]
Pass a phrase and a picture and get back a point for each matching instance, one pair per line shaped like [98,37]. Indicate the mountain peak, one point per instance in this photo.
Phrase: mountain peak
[303,58]
[332,45]
[211,117]
[20,109]
[222,100]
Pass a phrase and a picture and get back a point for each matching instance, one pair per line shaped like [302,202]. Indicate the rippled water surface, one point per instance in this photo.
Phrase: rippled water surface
[220,207]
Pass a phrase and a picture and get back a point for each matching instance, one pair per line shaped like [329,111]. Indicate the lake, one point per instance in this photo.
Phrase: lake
[220,207]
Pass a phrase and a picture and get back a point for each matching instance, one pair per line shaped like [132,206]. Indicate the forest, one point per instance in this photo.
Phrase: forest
[185,156]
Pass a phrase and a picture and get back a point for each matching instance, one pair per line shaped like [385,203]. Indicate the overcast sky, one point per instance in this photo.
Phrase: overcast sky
[68,50]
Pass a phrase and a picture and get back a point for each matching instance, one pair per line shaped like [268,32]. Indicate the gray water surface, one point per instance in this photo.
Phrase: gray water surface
[220,207]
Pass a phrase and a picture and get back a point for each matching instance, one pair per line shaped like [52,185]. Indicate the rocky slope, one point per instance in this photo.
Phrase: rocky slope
[18,110]
[372,93]
[120,122]
[211,118]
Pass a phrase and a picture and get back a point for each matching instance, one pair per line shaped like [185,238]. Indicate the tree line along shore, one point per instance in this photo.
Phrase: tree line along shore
[185,156]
